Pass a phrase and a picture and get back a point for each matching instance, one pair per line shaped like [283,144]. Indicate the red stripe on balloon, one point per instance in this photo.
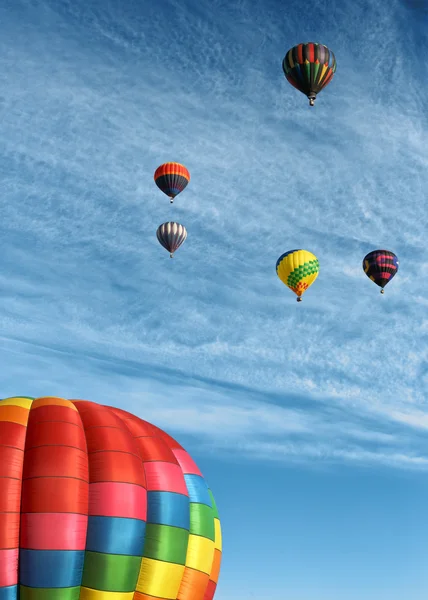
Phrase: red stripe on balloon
[13,421]
[55,461]
[9,530]
[9,567]
[11,460]
[186,462]
[117,478]
[165,477]
[112,499]
[53,494]
[47,531]
[155,449]
[10,497]
[210,591]
[384,257]
[12,434]
[57,433]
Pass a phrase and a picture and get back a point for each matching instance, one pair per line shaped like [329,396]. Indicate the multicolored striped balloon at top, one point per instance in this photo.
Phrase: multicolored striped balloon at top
[309,68]
[298,269]
[96,504]
[380,266]
[171,235]
[172,178]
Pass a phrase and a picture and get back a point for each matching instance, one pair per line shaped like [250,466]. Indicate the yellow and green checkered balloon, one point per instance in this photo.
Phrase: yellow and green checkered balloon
[298,269]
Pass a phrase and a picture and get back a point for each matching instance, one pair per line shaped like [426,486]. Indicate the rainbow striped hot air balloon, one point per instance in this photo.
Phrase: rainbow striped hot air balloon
[172,178]
[298,269]
[96,504]
[309,68]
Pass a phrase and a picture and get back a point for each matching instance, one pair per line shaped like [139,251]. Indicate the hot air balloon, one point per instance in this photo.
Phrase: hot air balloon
[380,266]
[309,68]
[171,178]
[298,269]
[171,235]
[97,504]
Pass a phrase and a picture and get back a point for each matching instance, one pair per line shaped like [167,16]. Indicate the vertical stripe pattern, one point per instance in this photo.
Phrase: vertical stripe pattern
[96,504]
[309,68]
[14,414]
[171,235]
[54,502]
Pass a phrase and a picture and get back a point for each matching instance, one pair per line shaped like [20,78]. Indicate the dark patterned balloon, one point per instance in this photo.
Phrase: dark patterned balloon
[380,266]
[171,178]
[309,68]
[171,235]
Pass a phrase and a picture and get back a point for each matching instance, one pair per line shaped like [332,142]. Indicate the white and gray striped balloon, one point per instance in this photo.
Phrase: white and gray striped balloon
[171,235]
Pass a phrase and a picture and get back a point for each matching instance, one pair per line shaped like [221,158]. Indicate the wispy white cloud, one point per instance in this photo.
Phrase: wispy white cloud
[93,99]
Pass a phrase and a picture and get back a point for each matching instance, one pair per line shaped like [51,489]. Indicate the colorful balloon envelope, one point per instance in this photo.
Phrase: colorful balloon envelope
[96,503]
[298,269]
[172,178]
[171,235]
[380,266]
[309,68]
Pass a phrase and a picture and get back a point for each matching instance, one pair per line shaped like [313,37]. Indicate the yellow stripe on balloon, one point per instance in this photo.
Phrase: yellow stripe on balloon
[90,594]
[159,579]
[17,401]
[218,543]
[200,554]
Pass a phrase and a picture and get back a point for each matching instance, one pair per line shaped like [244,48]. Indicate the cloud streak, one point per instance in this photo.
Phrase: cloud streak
[94,98]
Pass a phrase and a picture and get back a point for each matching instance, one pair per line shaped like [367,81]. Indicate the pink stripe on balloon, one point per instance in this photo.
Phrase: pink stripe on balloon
[113,499]
[186,462]
[9,567]
[165,477]
[53,531]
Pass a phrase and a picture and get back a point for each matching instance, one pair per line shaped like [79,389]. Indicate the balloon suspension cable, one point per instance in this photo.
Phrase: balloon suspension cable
[382,291]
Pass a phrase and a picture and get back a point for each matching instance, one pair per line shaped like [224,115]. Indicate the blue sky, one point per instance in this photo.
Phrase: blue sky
[309,420]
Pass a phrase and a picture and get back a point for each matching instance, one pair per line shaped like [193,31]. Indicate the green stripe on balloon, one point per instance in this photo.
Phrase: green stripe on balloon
[202,521]
[214,505]
[111,572]
[26,593]
[166,543]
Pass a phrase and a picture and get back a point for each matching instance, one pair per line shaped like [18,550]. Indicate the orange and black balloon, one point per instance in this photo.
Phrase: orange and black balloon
[172,178]
[309,68]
